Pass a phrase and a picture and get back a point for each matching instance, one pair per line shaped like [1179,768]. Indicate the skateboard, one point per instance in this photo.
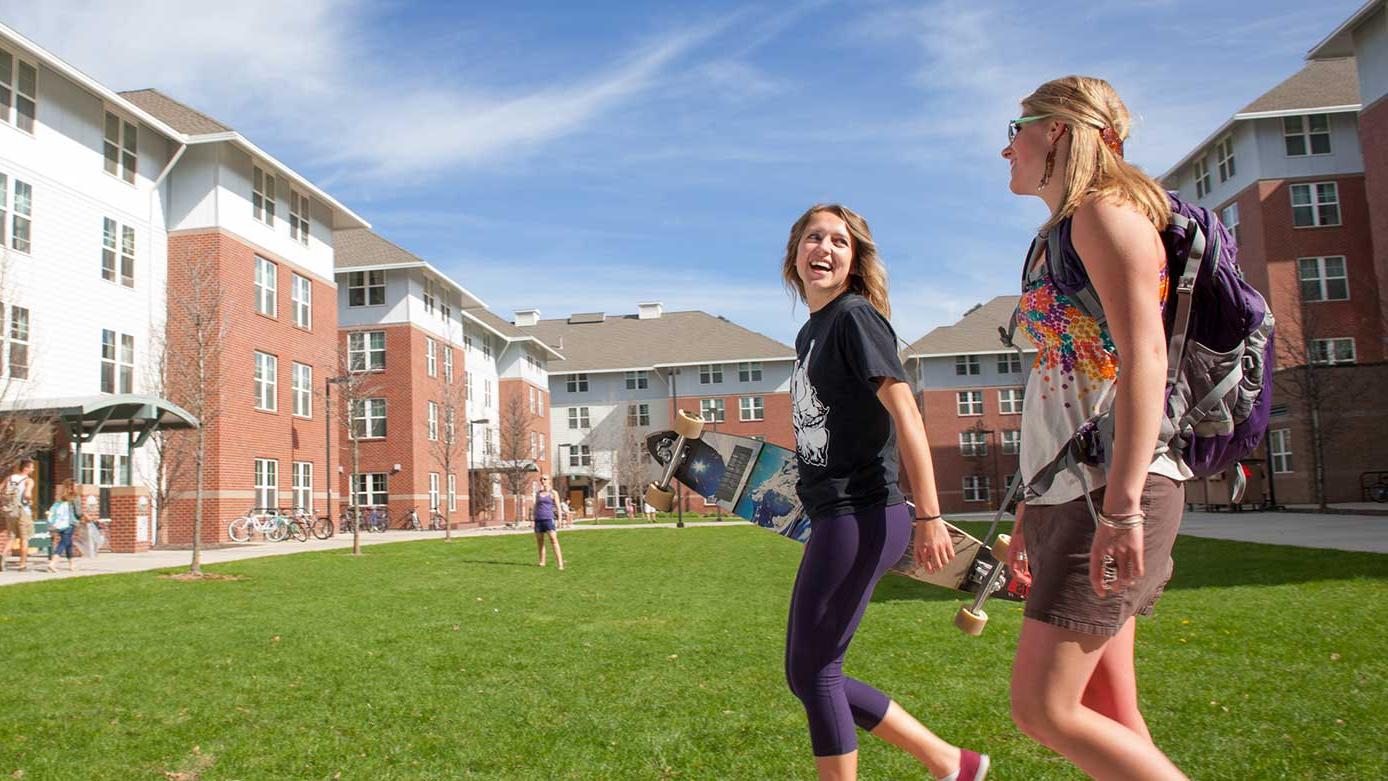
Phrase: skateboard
[755,480]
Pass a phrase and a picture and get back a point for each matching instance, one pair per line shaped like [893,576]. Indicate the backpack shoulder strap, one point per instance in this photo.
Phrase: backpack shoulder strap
[1192,261]
[1061,255]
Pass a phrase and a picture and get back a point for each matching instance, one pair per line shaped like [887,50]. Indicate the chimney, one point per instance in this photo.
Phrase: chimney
[526,318]
[649,310]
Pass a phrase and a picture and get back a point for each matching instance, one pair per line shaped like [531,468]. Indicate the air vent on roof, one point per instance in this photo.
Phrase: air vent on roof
[526,318]
[587,317]
[649,310]
[973,309]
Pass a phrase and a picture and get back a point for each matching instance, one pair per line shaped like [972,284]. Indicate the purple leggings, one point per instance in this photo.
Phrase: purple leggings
[844,559]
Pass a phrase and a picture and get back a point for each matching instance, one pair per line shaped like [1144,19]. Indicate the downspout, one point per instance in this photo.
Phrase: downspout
[149,256]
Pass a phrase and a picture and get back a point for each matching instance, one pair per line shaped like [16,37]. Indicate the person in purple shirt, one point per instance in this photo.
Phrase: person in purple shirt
[546,510]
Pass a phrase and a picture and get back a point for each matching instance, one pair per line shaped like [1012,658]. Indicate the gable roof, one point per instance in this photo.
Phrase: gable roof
[975,333]
[178,116]
[628,343]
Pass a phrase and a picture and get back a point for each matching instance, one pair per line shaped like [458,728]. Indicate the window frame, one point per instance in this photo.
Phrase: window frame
[301,300]
[371,486]
[1010,400]
[267,287]
[1322,278]
[121,156]
[749,371]
[368,284]
[431,356]
[753,411]
[1009,363]
[266,383]
[302,392]
[637,380]
[368,417]
[266,483]
[301,492]
[1202,177]
[639,414]
[1316,204]
[1280,446]
[299,217]
[717,406]
[366,351]
[710,374]
[979,486]
[967,366]
[973,443]
[576,383]
[15,96]
[262,196]
[1323,352]
[1011,441]
[1224,158]
[1305,134]
[960,402]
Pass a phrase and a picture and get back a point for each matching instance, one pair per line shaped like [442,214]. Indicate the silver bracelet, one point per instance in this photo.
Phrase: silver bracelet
[1123,521]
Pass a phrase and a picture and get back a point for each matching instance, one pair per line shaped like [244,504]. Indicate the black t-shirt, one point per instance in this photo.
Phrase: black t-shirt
[845,441]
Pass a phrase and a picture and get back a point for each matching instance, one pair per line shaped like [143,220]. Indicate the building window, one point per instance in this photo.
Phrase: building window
[751,408]
[486,393]
[530,393]
[1315,205]
[580,455]
[21,215]
[301,385]
[120,148]
[467,386]
[366,351]
[486,346]
[542,447]
[117,360]
[301,483]
[973,443]
[965,365]
[1229,215]
[370,489]
[266,369]
[1009,363]
[1010,401]
[749,371]
[638,380]
[265,286]
[710,373]
[712,410]
[433,421]
[452,493]
[117,253]
[369,419]
[301,300]
[577,383]
[449,432]
[1224,157]
[433,492]
[298,218]
[104,470]
[429,296]
[977,488]
[1307,135]
[267,480]
[540,403]
[431,357]
[366,288]
[1281,451]
[578,418]
[467,340]
[1202,178]
[262,196]
[1323,279]
[638,414]
[19,342]
[448,364]
[1011,442]
[1332,352]
[24,88]
[969,402]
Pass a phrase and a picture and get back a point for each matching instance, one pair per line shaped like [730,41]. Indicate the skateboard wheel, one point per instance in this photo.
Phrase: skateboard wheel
[688,426]
[969,622]
[659,498]
[1000,546]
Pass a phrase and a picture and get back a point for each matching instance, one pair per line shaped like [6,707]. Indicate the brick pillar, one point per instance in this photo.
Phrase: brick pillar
[130,521]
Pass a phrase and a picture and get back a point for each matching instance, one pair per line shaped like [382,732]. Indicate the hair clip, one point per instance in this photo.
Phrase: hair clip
[1111,140]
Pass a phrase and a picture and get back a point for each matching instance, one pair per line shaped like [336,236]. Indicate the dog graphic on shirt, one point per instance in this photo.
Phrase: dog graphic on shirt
[809,415]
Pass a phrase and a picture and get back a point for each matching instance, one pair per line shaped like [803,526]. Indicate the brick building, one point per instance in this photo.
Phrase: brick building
[622,376]
[1291,173]
[970,391]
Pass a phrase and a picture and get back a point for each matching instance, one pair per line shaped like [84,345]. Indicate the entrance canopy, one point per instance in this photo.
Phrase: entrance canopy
[85,417]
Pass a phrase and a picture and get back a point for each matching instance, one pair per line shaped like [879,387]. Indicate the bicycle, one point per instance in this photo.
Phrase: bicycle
[320,527]
[410,520]
[436,521]
[376,520]
[255,520]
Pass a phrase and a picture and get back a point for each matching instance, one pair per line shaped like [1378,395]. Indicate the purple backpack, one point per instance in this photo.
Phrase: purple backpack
[1219,357]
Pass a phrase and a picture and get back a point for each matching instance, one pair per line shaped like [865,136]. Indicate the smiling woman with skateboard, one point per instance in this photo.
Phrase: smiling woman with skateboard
[850,403]
[1074,687]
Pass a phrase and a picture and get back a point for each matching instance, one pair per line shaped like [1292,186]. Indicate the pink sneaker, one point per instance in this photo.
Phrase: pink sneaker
[972,765]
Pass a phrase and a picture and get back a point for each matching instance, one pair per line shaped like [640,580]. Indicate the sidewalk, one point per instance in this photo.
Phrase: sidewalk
[113,563]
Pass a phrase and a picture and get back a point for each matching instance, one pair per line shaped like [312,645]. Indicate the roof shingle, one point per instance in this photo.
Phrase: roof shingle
[976,331]
[178,116]
[1321,84]
[674,338]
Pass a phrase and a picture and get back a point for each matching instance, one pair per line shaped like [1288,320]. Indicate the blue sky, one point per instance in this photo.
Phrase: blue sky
[584,156]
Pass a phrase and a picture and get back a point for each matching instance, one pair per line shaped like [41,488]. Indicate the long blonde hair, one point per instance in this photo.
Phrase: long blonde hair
[867,276]
[1096,168]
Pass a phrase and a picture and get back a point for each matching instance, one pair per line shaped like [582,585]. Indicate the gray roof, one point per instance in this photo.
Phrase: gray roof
[976,332]
[1321,84]
[673,339]
[178,116]
[497,323]
[361,247]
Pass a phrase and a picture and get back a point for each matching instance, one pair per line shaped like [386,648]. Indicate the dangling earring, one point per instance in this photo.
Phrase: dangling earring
[1050,167]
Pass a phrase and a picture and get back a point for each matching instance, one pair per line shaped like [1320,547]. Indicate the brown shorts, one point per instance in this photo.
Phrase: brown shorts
[21,526]
[1058,538]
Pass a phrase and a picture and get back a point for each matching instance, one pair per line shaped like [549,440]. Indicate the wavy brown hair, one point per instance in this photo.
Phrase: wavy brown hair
[867,275]
[1088,106]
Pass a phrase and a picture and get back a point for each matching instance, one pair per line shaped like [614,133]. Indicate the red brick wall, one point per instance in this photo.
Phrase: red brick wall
[239,433]
[516,388]
[943,425]
[1373,137]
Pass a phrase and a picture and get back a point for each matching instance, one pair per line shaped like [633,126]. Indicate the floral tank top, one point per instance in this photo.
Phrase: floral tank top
[1073,378]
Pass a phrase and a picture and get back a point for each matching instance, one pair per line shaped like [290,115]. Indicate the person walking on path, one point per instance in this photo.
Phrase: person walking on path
[63,517]
[17,504]
[851,409]
[1074,686]
[546,508]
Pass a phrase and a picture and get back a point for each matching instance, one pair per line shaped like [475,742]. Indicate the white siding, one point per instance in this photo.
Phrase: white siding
[1371,56]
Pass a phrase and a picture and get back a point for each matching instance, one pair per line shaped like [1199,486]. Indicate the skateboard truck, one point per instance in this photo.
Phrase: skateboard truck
[971,618]
[659,494]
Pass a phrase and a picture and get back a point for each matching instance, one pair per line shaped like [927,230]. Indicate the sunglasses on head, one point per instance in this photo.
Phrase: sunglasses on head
[1015,126]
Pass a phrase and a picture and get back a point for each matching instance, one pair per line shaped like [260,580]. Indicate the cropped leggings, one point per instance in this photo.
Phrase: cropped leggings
[844,559]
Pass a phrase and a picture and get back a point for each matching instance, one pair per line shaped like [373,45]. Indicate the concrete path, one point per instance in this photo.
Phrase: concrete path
[1307,530]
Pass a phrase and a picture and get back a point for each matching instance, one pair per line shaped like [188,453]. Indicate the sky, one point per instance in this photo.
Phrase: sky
[581,157]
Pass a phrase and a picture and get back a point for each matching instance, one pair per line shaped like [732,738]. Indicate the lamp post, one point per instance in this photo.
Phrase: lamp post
[471,503]
[328,419]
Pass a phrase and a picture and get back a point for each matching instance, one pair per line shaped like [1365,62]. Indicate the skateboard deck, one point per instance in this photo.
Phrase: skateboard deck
[755,480]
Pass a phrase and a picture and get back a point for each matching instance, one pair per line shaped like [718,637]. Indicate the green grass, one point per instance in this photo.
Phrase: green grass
[638,519]
[655,655]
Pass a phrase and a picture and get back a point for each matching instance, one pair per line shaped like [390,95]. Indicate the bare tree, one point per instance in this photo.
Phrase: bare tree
[448,448]
[629,463]
[1311,374]
[356,383]
[195,331]
[515,427]
[170,449]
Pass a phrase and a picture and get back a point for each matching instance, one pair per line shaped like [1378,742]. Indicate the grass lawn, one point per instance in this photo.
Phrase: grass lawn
[639,519]
[655,655]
